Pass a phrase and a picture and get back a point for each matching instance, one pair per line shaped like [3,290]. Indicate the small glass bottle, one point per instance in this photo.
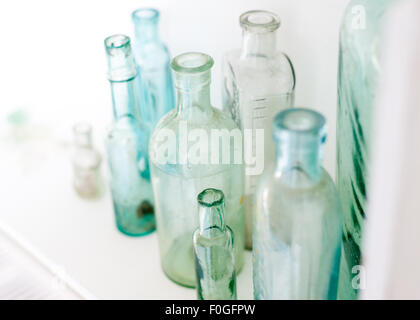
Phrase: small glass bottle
[86,163]
[259,81]
[359,71]
[152,59]
[127,145]
[297,227]
[178,177]
[213,249]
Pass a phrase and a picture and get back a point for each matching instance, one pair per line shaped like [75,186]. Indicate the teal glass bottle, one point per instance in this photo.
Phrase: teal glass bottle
[213,249]
[127,144]
[178,176]
[298,225]
[153,61]
[359,70]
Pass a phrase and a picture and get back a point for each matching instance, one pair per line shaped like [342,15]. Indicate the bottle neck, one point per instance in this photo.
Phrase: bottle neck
[258,44]
[212,222]
[146,31]
[124,99]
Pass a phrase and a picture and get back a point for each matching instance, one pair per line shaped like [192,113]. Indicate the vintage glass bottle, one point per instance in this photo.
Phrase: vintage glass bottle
[359,70]
[153,61]
[213,249]
[259,81]
[178,177]
[127,145]
[298,225]
[86,163]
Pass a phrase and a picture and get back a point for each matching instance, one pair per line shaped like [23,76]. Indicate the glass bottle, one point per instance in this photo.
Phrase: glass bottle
[259,81]
[86,163]
[297,226]
[213,249]
[127,145]
[152,59]
[359,69]
[178,177]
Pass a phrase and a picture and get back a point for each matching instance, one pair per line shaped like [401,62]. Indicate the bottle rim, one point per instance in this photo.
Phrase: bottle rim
[117,41]
[211,197]
[259,21]
[145,15]
[192,62]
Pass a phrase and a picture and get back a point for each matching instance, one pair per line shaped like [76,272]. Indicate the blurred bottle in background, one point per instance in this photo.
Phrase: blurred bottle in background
[127,144]
[359,70]
[86,163]
[298,222]
[153,61]
[259,81]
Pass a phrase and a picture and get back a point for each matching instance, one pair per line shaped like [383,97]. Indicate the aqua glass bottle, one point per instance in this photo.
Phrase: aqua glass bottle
[359,70]
[258,82]
[179,176]
[127,145]
[213,249]
[298,225]
[153,61]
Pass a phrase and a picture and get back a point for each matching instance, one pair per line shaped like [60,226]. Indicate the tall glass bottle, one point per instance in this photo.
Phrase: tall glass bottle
[152,59]
[297,227]
[127,145]
[213,249]
[359,69]
[178,175]
[86,163]
[259,81]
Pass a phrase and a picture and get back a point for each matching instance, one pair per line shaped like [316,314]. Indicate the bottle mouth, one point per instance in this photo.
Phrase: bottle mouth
[210,197]
[116,41]
[192,62]
[259,21]
[300,122]
[145,15]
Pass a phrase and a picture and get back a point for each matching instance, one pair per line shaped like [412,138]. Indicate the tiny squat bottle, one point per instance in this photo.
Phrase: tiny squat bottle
[153,61]
[258,82]
[297,227]
[86,163]
[213,249]
[126,144]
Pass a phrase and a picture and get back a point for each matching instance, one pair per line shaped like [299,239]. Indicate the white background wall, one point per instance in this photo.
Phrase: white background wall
[52,58]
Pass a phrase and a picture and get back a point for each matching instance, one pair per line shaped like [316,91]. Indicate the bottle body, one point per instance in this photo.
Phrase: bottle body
[359,70]
[127,142]
[259,82]
[297,226]
[213,250]
[178,181]
[153,63]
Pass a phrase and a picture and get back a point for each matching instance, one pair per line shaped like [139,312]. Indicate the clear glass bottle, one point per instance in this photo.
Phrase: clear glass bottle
[213,249]
[152,59]
[179,178]
[297,226]
[259,82]
[127,145]
[359,69]
[86,163]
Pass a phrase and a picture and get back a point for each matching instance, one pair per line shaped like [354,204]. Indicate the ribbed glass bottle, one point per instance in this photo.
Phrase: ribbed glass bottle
[184,162]
[213,249]
[359,69]
[127,145]
[152,59]
[258,82]
[297,227]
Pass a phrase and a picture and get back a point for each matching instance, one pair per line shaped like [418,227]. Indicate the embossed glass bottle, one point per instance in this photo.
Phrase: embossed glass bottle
[213,249]
[127,145]
[298,225]
[178,177]
[259,81]
[152,59]
[359,69]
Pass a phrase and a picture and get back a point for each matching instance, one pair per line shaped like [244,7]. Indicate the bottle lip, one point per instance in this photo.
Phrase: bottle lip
[259,21]
[192,62]
[117,41]
[300,121]
[145,15]
[210,197]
